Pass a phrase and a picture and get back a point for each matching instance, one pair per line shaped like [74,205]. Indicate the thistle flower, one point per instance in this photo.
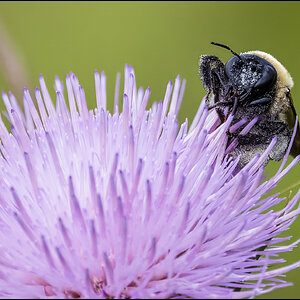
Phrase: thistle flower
[130,204]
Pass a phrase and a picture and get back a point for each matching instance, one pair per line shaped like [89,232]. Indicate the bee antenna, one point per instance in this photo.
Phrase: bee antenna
[226,47]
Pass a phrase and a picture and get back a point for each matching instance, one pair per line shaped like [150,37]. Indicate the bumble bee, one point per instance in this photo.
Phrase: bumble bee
[252,84]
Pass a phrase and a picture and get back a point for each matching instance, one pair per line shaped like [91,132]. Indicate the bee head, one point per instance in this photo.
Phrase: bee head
[251,72]
[256,72]
[283,76]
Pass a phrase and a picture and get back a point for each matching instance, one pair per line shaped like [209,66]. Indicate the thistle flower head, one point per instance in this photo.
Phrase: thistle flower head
[132,204]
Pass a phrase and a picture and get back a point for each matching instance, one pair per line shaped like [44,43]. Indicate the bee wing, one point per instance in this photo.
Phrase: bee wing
[291,118]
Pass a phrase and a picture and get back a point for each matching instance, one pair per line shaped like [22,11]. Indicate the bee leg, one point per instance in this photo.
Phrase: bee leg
[227,90]
[235,105]
[215,85]
[227,103]
[212,73]
[207,97]
[245,96]
[207,64]
[220,104]
[220,82]
[220,115]
[217,106]
[220,74]
[261,101]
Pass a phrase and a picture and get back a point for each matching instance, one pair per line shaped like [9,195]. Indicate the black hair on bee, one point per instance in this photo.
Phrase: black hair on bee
[252,84]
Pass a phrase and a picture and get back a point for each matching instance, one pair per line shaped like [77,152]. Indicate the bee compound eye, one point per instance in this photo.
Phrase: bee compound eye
[268,78]
[229,67]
